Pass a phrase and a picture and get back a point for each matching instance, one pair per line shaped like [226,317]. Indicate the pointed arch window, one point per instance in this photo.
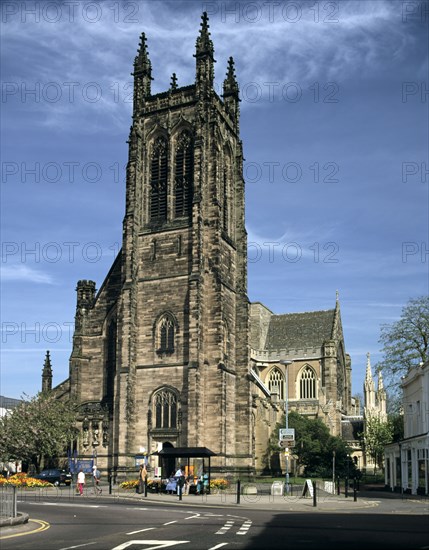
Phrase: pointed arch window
[165,409]
[158,181]
[165,334]
[307,383]
[276,382]
[184,176]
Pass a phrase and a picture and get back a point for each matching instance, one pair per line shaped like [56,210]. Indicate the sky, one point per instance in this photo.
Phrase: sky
[334,123]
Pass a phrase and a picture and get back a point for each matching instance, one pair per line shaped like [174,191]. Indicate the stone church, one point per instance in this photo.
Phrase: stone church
[169,352]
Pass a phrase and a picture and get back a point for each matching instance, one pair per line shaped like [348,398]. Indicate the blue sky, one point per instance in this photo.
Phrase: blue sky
[334,122]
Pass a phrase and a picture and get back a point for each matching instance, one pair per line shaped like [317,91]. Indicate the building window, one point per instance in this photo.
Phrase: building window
[158,181]
[165,334]
[276,382]
[307,383]
[184,173]
[165,409]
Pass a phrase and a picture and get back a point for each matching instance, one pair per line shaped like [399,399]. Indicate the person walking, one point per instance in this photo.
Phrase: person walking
[81,481]
[96,480]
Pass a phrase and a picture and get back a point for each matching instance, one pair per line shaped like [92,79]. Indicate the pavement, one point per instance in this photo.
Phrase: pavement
[381,502]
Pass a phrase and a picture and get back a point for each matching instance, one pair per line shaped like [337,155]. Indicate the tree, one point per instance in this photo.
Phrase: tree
[38,429]
[377,435]
[314,447]
[405,345]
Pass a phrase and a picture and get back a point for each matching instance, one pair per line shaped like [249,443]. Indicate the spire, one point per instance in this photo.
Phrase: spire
[337,296]
[204,44]
[47,374]
[230,84]
[173,83]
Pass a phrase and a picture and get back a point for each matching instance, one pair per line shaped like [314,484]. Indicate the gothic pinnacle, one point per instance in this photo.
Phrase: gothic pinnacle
[142,60]
[230,85]
[173,83]
[204,44]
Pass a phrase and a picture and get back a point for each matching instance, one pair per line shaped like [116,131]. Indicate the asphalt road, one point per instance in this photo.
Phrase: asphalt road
[106,524]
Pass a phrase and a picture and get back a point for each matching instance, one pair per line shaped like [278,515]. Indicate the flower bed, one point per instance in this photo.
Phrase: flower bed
[220,484]
[23,480]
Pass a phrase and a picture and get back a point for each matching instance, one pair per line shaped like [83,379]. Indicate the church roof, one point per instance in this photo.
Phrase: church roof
[300,330]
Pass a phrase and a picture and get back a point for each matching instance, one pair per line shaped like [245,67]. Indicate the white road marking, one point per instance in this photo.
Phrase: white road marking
[192,517]
[170,522]
[244,528]
[225,528]
[78,546]
[158,544]
[140,531]
[218,546]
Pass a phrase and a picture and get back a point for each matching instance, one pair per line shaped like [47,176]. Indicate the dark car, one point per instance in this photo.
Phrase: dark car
[55,476]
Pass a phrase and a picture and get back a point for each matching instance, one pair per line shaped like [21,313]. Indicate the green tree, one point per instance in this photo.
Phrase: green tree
[314,447]
[38,430]
[377,435]
[405,345]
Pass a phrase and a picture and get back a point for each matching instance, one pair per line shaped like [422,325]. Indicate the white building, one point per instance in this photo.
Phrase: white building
[407,462]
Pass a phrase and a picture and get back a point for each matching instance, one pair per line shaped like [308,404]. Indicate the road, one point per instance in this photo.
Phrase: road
[103,524]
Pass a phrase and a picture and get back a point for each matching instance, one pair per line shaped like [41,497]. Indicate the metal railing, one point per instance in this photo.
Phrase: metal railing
[8,502]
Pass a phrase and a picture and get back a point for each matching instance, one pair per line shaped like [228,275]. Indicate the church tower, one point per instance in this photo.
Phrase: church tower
[165,340]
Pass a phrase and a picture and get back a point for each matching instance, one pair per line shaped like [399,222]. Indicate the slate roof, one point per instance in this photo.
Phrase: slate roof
[350,429]
[300,330]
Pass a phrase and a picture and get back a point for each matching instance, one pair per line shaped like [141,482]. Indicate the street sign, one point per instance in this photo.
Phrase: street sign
[283,444]
[287,434]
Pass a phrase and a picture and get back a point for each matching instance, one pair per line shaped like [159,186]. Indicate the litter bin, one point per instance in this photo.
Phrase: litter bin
[277,489]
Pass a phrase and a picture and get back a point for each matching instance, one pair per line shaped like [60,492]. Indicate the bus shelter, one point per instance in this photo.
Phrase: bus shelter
[172,454]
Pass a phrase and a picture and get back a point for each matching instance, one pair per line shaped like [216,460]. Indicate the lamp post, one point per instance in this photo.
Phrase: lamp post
[286,363]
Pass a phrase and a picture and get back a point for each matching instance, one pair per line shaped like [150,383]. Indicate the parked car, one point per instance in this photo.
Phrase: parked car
[55,476]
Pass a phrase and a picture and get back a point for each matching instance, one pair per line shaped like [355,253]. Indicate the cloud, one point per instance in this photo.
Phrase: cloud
[23,273]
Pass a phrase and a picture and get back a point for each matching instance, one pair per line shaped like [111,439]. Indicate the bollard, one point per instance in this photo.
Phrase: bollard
[180,490]
[346,490]
[145,487]
[110,483]
[314,494]
[338,486]
[238,491]
[354,490]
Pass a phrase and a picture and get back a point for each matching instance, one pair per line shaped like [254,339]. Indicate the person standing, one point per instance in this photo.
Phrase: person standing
[180,478]
[142,477]
[81,481]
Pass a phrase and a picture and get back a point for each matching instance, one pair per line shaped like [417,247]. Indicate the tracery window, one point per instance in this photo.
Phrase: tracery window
[184,174]
[307,383]
[165,334]
[276,382]
[158,181]
[165,409]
